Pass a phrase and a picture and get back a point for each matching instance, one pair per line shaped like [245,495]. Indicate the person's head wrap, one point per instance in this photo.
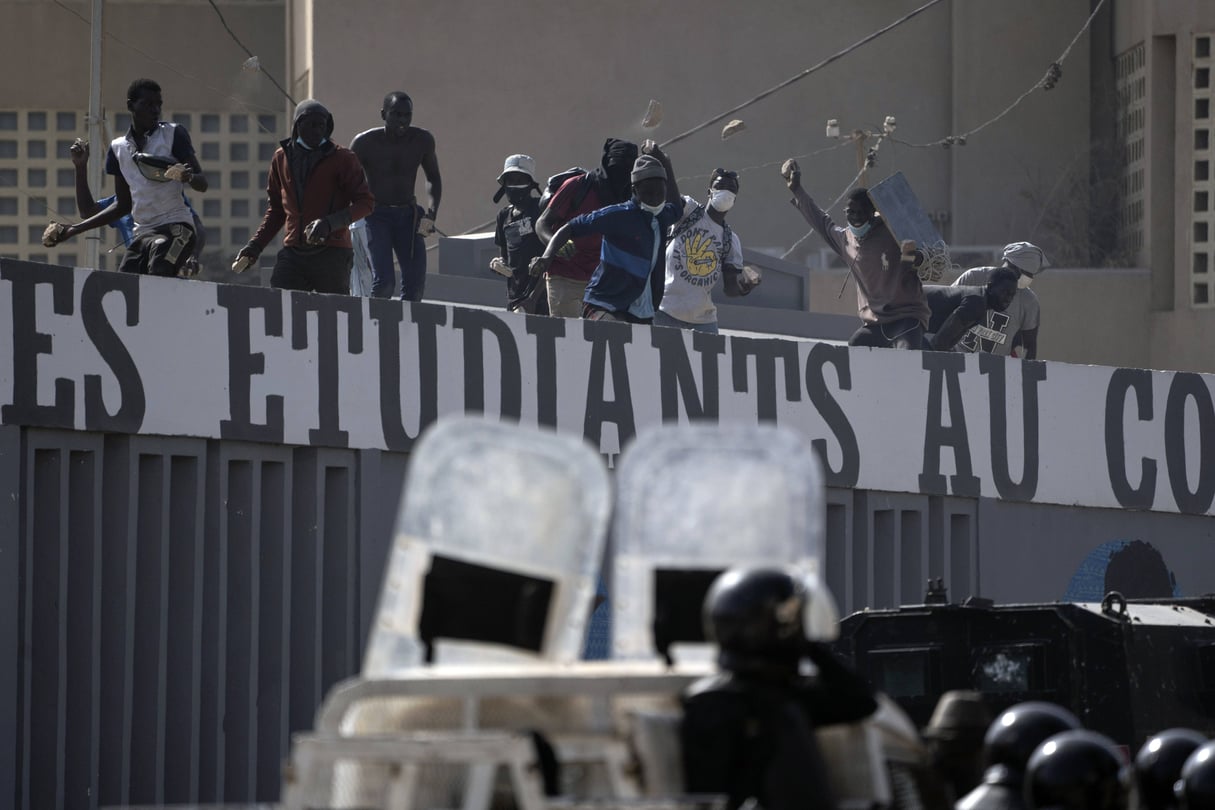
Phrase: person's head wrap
[647,166]
[618,153]
[1027,258]
[311,105]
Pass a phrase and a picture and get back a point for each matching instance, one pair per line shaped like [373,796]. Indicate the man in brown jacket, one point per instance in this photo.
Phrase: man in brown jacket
[893,309]
[316,189]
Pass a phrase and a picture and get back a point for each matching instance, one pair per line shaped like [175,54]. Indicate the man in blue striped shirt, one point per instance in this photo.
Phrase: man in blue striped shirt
[629,278]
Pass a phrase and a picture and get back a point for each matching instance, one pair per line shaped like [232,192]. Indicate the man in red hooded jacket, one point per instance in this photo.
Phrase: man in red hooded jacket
[316,189]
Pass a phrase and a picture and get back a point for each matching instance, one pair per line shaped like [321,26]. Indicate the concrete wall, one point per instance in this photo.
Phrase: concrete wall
[575,75]
[44,52]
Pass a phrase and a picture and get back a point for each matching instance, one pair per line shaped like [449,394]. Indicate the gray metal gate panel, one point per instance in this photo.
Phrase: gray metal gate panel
[60,638]
[10,610]
[901,540]
[837,551]
[181,606]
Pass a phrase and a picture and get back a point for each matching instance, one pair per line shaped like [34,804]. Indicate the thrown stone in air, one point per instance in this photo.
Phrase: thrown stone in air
[653,115]
[732,128]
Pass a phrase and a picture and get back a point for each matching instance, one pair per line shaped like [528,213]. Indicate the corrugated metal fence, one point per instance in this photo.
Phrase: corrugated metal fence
[172,609]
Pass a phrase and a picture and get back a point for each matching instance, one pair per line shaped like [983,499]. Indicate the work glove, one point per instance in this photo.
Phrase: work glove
[792,174]
[317,231]
[246,258]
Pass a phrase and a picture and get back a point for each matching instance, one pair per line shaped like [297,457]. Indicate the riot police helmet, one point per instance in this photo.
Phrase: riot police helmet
[1195,790]
[1158,766]
[768,613]
[1075,770]
[1019,729]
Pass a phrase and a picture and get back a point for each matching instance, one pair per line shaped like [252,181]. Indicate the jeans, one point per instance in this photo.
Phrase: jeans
[159,251]
[395,230]
[905,333]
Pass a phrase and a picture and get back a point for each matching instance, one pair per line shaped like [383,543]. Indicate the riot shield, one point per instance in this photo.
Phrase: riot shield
[693,501]
[498,539]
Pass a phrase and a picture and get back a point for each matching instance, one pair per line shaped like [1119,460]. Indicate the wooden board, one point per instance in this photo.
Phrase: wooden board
[897,204]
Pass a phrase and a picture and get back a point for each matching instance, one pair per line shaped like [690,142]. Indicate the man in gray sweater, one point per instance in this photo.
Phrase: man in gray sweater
[889,296]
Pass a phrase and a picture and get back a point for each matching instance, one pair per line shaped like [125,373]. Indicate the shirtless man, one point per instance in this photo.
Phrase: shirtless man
[391,155]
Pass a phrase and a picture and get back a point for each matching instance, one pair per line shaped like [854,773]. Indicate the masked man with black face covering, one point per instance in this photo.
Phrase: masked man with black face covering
[889,296]
[316,189]
[515,236]
[572,268]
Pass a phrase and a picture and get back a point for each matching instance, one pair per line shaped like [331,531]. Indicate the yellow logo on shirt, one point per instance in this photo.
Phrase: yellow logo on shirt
[701,253]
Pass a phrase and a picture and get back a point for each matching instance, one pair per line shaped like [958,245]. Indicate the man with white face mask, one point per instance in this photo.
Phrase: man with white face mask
[1018,324]
[627,282]
[889,297]
[702,250]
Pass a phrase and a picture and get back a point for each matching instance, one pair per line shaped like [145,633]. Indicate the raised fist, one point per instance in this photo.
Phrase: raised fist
[792,174]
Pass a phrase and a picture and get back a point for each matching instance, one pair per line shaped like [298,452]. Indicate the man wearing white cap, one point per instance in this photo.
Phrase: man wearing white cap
[515,236]
[1018,324]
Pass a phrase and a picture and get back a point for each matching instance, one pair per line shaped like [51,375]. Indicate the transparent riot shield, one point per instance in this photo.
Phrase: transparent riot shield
[693,501]
[498,539]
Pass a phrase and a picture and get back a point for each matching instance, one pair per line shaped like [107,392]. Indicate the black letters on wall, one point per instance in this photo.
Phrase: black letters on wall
[944,370]
[1121,382]
[476,323]
[328,430]
[675,377]
[766,352]
[1190,386]
[243,364]
[129,416]
[607,341]
[546,330]
[28,343]
[821,356]
[1032,373]
[388,314]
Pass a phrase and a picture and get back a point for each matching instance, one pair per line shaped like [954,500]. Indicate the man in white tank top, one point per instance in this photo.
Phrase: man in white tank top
[150,164]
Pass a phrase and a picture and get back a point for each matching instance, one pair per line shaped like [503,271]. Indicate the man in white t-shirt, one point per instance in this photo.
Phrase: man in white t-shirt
[702,249]
[1017,326]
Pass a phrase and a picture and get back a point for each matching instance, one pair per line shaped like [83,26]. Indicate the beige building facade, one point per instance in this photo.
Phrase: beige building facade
[1097,169]
[1110,167]
[235,117]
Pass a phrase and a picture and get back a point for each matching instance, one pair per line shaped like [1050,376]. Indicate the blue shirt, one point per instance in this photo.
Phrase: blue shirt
[632,250]
[125,226]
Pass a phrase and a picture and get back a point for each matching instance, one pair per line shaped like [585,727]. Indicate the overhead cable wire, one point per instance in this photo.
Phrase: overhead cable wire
[1049,79]
[834,57]
[222,93]
[250,53]
[843,193]
[815,153]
